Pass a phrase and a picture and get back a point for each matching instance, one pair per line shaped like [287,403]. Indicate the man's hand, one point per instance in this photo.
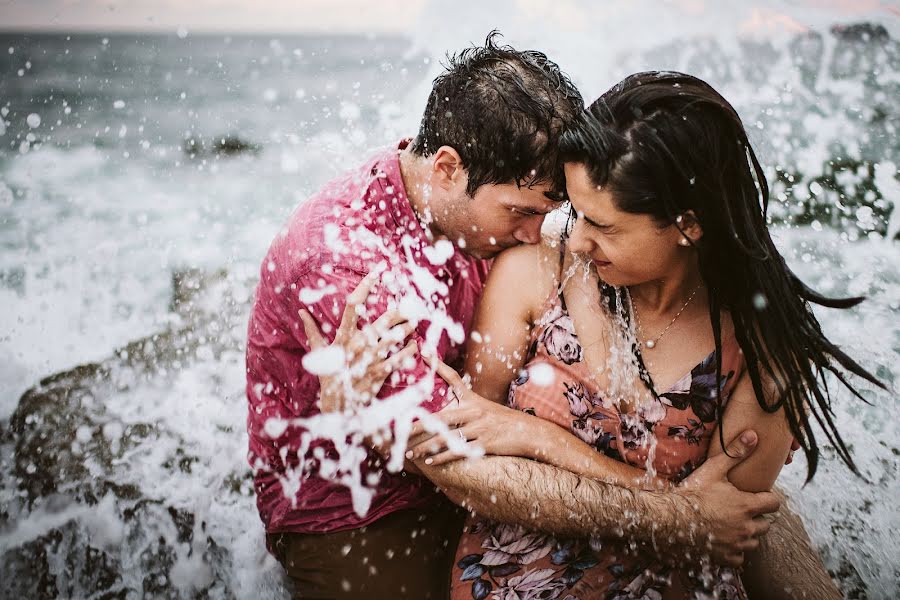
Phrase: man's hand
[720,517]
[369,355]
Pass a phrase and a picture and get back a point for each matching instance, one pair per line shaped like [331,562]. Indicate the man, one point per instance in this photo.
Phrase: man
[426,216]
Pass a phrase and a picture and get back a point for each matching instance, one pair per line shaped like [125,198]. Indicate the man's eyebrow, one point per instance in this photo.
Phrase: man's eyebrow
[557,196]
[540,211]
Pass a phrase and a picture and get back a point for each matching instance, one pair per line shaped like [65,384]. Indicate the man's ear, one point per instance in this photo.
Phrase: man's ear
[447,168]
[689,226]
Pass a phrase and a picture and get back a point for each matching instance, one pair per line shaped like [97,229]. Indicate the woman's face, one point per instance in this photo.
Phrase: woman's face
[627,248]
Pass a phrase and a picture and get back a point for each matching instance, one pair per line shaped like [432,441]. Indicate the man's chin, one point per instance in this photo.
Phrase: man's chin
[487,253]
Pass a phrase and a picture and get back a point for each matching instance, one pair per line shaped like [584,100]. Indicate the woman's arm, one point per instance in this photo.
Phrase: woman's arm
[759,472]
[519,284]
[785,565]
[520,280]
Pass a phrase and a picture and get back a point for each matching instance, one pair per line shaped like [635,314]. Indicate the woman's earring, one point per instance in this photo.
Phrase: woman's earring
[684,242]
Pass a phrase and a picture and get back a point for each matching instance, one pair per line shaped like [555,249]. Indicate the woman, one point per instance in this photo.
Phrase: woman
[666,323]
[663,323]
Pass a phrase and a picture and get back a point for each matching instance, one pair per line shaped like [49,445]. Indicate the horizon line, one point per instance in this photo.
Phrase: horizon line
[198,32]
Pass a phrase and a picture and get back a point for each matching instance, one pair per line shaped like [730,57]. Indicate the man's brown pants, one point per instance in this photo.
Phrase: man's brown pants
[406,554]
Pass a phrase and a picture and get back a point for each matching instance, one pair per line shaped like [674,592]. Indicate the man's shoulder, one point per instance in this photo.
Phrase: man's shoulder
[314,233]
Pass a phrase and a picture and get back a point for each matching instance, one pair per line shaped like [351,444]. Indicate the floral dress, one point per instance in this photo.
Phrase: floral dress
[508,562]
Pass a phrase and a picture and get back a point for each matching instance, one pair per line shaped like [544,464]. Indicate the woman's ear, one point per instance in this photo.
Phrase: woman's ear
[690,228]
[447,167]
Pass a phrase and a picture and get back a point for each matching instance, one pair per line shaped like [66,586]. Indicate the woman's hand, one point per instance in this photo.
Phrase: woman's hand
[370,354]
[491,427]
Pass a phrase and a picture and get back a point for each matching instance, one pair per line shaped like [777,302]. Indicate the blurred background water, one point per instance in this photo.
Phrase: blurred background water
[142,177]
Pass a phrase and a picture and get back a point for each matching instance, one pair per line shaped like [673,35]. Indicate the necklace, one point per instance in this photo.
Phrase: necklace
[650,343]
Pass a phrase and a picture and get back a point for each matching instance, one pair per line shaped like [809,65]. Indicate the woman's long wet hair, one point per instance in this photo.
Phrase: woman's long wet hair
[665,143]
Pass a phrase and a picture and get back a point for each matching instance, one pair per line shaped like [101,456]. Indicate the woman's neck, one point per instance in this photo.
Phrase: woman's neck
[667,295]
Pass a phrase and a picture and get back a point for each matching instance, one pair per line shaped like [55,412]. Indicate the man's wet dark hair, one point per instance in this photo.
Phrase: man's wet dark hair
[502,110]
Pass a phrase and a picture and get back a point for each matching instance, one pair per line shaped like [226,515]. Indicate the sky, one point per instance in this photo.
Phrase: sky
[211,15]
[390,16]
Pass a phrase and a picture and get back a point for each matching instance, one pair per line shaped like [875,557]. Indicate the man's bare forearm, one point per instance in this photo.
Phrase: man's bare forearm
[539,496]
[786,566]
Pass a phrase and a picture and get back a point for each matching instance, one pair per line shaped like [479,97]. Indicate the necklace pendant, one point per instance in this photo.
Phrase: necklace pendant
[650,344]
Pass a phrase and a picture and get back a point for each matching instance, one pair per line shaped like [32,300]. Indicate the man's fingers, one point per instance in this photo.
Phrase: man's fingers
[737,450]
[389,320]
[357,296]
[765,503]
[396,361]
[330,398]
[383,370]
[742,446]
[391,338]
[313,335]
[760,527]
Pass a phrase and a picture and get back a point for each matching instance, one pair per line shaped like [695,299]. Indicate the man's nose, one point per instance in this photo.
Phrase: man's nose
[530,232]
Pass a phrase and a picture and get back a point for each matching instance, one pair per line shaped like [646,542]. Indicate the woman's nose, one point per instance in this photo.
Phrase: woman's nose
[578,241]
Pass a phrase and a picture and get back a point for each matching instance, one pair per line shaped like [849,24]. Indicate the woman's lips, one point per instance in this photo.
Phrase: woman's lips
[601,263]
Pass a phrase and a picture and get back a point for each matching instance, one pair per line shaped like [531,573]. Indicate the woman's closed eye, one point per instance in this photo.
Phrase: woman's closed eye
[600,227]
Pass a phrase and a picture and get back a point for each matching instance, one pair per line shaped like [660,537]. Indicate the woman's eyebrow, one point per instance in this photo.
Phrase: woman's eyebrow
[595,223]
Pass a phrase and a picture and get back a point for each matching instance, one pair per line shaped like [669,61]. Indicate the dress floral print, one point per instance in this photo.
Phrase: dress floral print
[507,562]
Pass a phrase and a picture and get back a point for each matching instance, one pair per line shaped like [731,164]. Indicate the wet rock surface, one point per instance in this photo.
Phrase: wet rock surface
[98,484]
[225,146]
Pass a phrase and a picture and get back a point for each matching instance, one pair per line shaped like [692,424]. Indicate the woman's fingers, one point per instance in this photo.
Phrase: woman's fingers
[443,458]
[451,417]
[424,449]
[415,439]
[445,372]
[445,455]
[437,443]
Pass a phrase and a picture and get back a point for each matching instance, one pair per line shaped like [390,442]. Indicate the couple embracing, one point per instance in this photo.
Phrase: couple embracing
[633,382]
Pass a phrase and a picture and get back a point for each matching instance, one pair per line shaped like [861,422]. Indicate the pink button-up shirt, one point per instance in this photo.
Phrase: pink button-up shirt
[355,223]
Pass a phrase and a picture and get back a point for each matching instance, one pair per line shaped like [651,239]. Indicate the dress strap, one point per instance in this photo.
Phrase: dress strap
[562,262]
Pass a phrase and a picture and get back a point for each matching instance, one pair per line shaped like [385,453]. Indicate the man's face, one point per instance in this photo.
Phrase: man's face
[500,216]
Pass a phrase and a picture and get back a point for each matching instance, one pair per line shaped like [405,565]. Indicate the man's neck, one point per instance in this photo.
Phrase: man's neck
[415,171]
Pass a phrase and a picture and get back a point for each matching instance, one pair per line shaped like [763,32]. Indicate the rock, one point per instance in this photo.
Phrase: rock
[862,32]
[225,146]
[78,522]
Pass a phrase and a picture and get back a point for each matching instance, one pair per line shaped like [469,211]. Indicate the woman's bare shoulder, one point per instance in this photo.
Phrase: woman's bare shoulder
[529,270]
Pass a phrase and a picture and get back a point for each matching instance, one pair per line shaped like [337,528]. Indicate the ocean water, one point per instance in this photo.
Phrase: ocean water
[126,159]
